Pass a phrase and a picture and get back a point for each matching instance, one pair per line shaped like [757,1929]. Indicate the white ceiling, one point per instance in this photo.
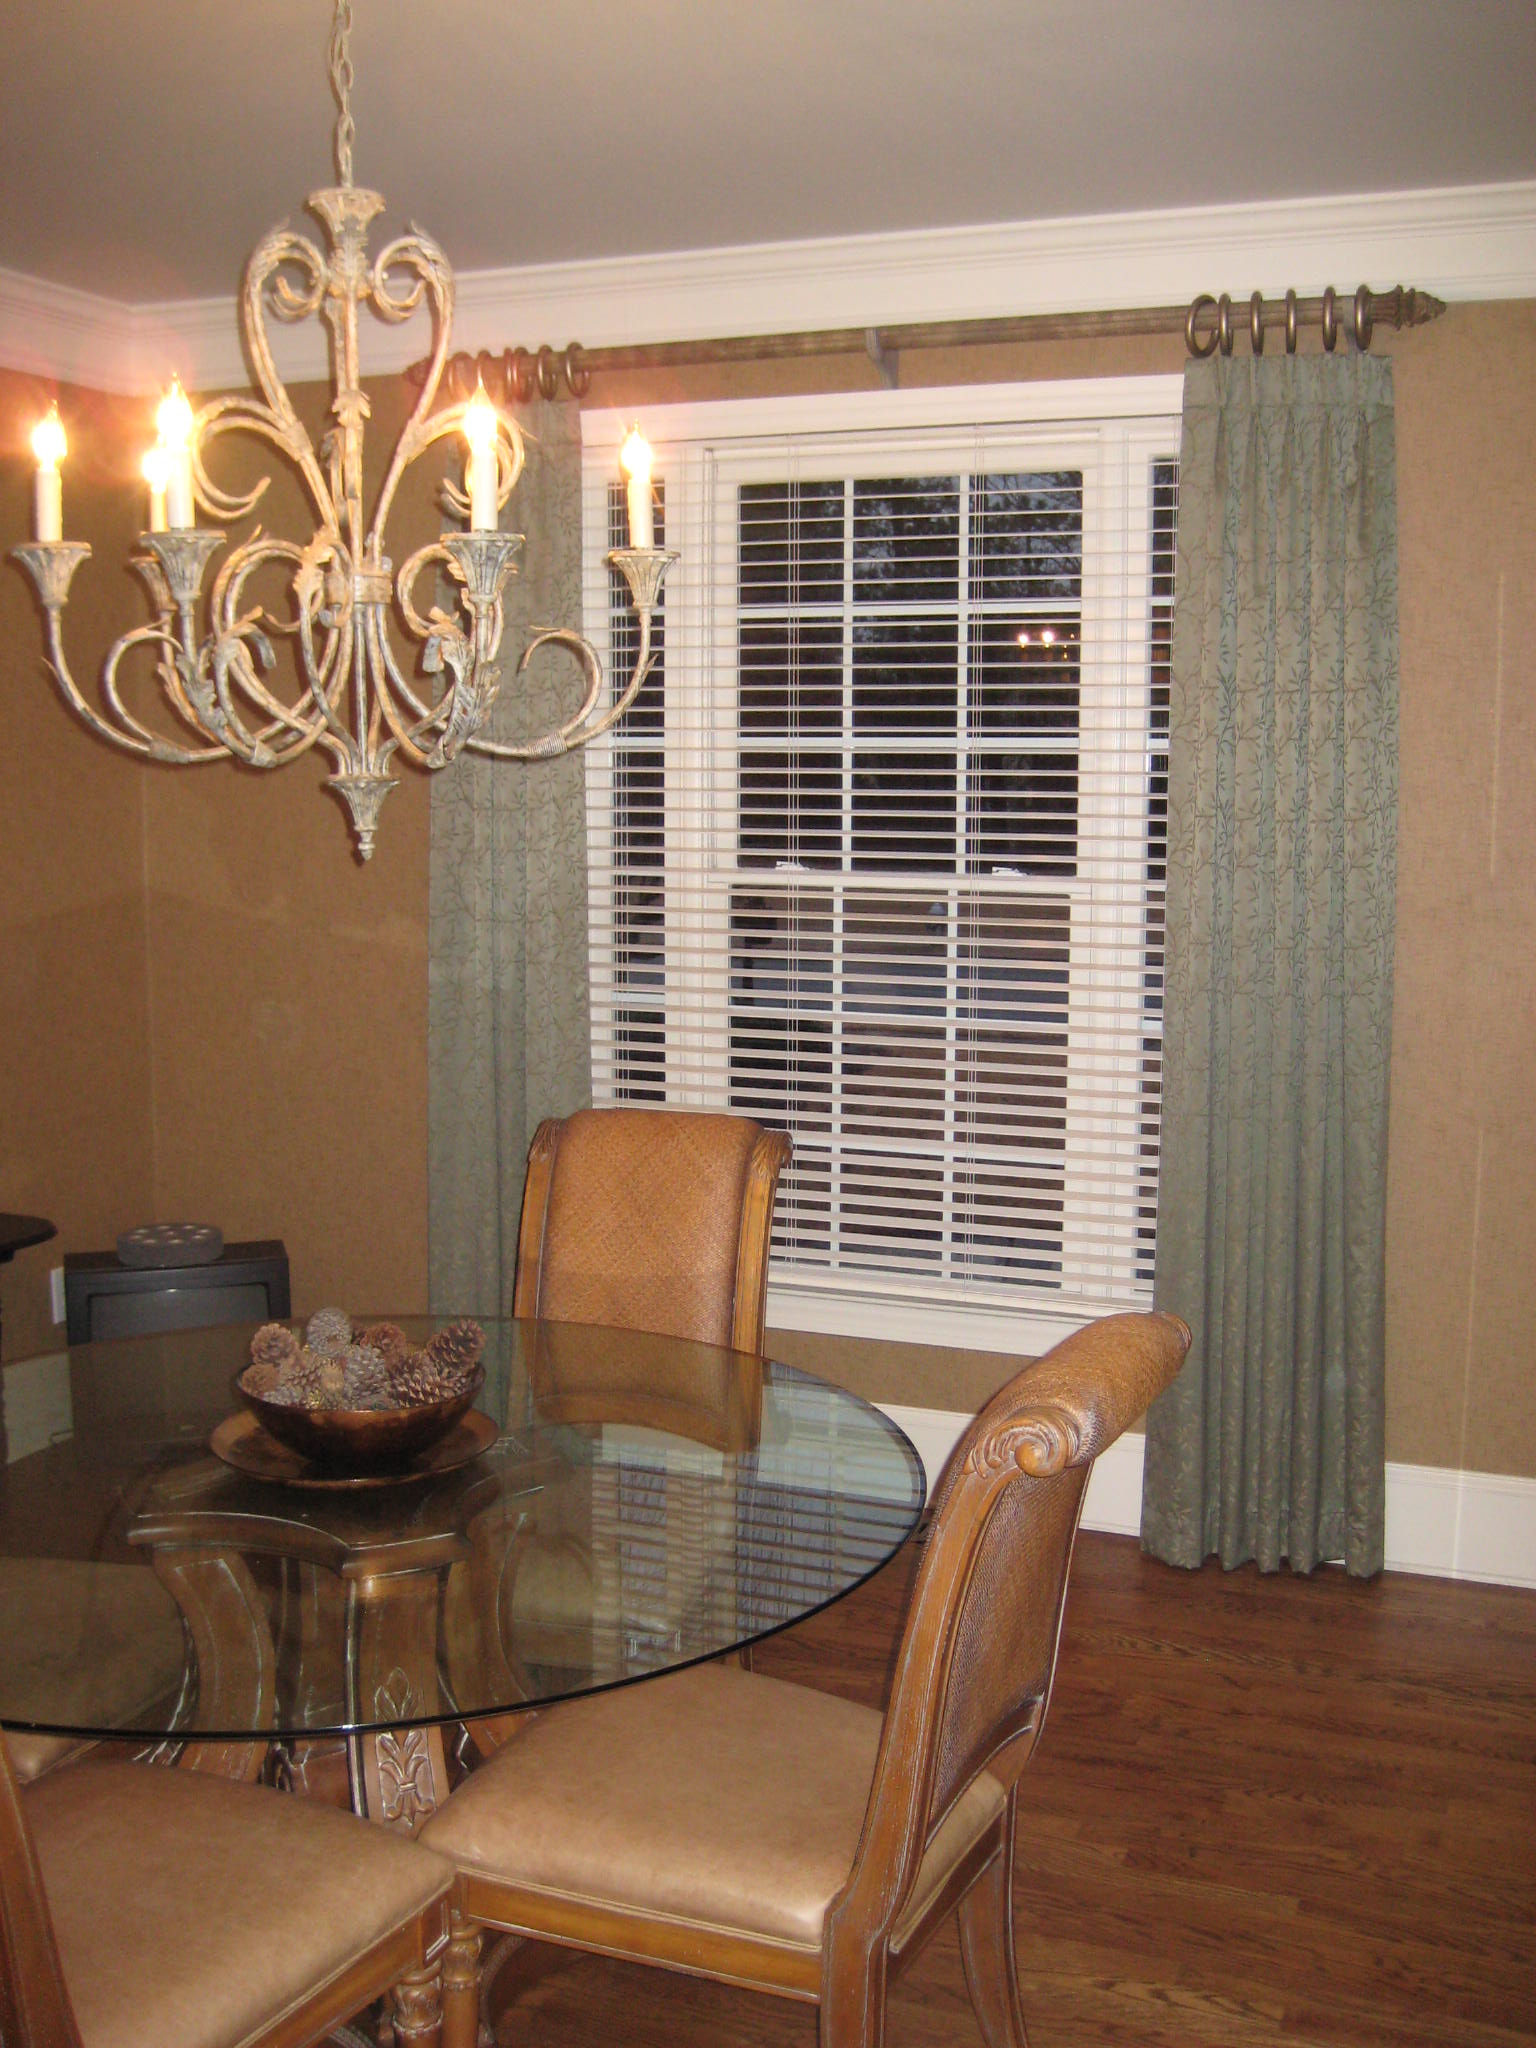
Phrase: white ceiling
[146,144]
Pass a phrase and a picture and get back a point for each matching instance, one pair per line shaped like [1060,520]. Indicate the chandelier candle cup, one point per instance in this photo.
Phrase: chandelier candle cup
[50,445]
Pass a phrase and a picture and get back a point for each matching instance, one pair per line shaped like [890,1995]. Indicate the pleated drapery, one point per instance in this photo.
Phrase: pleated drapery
[1282,840]
[508,1036]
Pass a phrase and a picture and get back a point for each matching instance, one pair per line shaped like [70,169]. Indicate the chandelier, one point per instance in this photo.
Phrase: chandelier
[349,695]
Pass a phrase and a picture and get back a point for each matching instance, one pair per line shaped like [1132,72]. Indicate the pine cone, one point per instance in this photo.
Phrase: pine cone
[260,1377]
[333,1379]
[418,1380]
[303,1378]
[455,1352]
[365,1378]
[388,1339]
[328,1329]
[274,1344]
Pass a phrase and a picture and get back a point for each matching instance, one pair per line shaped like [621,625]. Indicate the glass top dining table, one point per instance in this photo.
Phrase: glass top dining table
[617,1505]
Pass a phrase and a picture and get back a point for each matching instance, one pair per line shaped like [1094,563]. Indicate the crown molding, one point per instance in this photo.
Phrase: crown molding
[1463,243]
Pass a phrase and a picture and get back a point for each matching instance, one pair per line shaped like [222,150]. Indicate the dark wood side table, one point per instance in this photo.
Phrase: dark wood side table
[20,1233]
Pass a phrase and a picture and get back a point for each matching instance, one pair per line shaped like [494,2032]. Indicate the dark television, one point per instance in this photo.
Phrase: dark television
[247,1283]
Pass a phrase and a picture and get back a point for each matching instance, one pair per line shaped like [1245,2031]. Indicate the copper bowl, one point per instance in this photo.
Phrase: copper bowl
[359,1439]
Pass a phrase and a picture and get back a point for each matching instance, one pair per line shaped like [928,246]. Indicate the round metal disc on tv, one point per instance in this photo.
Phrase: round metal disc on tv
[170,1244]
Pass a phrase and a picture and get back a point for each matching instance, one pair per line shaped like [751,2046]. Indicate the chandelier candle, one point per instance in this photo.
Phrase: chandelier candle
[635,456]
[174,420]
[50,446]
[157,473]
[214,655]
[480,474]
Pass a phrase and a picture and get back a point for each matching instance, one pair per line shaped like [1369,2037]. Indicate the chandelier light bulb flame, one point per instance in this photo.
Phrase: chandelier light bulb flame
[347,691]
[50,443]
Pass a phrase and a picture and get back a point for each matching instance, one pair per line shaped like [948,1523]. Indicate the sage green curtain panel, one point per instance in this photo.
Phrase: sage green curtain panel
[508,1040]
[1282,854]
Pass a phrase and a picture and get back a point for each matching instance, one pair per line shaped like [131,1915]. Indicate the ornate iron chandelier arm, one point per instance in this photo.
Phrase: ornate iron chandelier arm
[266,282]
[320,672]
[406,737]
[427,275]
[134,735]
[169,676]
[446,642]
[240,415]
[645,570]
[291,729]
[52,565]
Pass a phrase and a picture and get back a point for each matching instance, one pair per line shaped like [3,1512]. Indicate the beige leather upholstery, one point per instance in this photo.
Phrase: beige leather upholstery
[104,1642]
[730,1825]
[637,1800]
[650,1220]
[31,1755]
[189,1912]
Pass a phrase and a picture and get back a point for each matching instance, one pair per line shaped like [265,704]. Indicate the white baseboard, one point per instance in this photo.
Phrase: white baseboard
[1447,1524]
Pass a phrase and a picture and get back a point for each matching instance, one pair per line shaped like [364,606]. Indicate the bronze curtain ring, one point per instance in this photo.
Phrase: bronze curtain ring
[1199,349]
[548,373]
[1290,322]
[1364,318]
[577,375]
[1256,322]
[1224,323]
[1330,319]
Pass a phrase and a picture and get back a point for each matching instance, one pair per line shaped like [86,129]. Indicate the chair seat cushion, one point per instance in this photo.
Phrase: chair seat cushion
[713,1797]
[197,1912]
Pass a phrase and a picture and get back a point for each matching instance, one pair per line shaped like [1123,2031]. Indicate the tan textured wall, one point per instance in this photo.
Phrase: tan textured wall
[1461,1224]
[289,1041]
[288,987]
[209,1008]
[74,1038]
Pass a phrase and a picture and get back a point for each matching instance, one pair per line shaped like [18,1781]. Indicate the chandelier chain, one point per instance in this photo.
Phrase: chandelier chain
[341,87]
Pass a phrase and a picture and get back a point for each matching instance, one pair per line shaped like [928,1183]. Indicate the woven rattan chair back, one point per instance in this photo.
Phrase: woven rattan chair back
[650,1220]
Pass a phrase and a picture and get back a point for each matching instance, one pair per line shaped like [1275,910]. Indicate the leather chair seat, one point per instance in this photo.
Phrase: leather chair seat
[268,1897]
[712,1798]
[104,1642]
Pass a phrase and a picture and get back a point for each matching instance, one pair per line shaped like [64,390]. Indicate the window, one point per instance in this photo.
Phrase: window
[877,858]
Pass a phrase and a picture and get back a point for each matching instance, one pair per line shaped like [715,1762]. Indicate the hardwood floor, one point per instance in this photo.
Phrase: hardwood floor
[1265,1813]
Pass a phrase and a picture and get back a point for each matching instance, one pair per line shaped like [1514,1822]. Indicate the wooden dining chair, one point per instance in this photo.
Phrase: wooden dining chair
[734,1826]
[650,1219]
[142,1908]
[641,1219]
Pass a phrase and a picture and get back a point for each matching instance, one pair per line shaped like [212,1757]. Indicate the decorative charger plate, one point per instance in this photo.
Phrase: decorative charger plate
[241,1443]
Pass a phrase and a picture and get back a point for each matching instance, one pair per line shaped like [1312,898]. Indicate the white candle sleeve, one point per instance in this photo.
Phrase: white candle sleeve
[49,515]
[642,528]
[178,491]
[480,480]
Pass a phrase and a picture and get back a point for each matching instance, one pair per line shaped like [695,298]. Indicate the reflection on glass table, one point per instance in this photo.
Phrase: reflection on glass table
[627,1504]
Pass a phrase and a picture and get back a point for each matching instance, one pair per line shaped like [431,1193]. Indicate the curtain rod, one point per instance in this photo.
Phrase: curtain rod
[522,371]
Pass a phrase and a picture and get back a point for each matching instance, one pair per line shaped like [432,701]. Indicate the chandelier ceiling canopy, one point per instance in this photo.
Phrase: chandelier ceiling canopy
[348,693]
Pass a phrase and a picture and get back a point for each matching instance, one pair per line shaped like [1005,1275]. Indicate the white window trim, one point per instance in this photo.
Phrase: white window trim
[842,1304]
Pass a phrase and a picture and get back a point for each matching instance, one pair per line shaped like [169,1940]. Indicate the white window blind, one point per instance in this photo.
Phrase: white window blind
[877,856]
